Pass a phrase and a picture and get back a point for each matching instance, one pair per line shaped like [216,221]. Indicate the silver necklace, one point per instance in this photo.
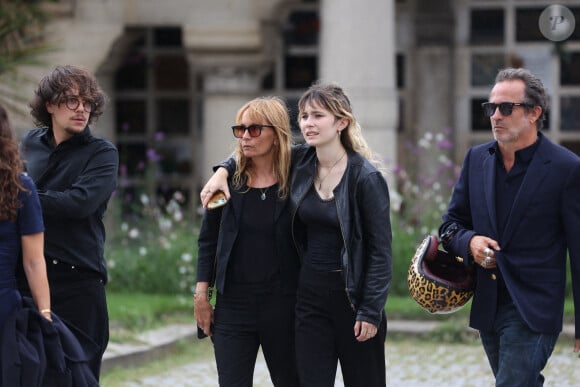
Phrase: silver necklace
[263,191]
[320,180]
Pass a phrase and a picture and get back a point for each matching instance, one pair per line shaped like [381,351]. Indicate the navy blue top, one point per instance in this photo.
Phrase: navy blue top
[28,221]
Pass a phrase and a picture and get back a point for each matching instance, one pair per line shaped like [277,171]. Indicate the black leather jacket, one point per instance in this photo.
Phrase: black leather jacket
[362,200]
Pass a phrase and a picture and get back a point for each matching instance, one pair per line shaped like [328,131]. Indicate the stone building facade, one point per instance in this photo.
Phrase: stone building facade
[176,71]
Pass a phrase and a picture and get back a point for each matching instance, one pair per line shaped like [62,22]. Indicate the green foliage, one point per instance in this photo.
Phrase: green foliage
[404,246]
[21,43]
[424,184]
[135,312]
[154,251]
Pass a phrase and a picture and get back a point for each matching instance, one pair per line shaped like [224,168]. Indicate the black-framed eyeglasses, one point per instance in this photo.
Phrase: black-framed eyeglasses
[255,130]
[72,102]
[505,108]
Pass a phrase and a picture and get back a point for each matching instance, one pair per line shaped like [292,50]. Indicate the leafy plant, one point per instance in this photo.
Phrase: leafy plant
[21,43]
[153,251]
[420,198]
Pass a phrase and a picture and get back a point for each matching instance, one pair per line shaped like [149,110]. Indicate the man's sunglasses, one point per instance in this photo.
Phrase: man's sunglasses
[255,130]
[505,108]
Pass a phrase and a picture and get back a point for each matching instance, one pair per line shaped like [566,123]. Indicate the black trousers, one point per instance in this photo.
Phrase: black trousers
[78,298]
[246,319]
[325,335]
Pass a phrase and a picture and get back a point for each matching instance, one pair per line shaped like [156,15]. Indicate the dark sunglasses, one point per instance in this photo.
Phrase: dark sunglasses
[255,130]
[505,108]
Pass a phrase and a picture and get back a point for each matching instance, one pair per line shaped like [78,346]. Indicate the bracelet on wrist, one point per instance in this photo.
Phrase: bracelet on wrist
[207,293]
[43,311]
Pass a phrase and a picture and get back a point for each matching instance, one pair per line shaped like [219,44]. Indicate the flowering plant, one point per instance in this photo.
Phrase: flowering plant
[153,250]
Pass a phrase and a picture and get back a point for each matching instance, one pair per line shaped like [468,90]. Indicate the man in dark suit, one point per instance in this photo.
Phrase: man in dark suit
[514,214]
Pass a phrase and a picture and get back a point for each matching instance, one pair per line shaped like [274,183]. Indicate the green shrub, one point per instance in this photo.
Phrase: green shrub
[154,251]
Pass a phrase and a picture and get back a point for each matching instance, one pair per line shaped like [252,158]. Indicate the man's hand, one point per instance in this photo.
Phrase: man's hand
[483,250]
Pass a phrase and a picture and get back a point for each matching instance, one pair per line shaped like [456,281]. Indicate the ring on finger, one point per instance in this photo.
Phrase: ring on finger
[487,251]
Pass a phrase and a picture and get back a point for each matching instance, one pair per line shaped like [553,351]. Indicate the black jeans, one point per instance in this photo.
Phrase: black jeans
[78,298]
[325,335]
[246,319]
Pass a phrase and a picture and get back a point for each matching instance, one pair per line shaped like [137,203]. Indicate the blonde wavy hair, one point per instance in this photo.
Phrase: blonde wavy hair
[332,97]
[270,111]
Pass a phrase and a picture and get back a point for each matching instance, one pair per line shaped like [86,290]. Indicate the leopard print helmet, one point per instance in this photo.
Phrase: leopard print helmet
[437,281]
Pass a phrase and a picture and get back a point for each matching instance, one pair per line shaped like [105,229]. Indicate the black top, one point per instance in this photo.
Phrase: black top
[323,237]
[75,180]
[255,244]
[507,186]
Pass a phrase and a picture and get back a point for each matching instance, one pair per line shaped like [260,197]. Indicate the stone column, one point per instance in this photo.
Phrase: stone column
[433,78]
[357,51]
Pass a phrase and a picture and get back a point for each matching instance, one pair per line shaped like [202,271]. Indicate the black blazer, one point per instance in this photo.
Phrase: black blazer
[543,226]
[36,352]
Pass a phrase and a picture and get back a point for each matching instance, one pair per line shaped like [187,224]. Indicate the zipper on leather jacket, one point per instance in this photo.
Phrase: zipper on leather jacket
[346,263]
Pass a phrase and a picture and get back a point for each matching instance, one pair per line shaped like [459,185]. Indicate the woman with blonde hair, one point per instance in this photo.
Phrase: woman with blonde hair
[246,248]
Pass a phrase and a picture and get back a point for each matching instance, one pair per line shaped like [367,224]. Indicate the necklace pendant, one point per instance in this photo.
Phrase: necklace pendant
[263,196]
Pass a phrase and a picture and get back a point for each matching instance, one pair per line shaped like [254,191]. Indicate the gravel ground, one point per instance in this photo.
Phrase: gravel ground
[412,363]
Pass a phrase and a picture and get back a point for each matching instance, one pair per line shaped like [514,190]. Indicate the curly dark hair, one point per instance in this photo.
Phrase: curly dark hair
[10,170]
[53,87]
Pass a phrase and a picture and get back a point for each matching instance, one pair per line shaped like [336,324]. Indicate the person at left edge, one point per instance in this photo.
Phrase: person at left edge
[21,229]
[76,174]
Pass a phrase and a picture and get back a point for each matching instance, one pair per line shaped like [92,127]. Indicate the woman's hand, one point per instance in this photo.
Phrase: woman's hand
[218,182]
[364,331]
[203,312]
[46,314]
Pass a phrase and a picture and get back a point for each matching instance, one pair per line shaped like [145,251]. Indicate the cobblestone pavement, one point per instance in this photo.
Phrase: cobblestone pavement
[410,363]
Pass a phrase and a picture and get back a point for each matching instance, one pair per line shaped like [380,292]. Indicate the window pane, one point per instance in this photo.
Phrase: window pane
[130,117]
[576,34]
[171,72]
[400,71]
[484,68]
[570,113]
[300,71]
[570,69]
[527,25]
[479,122]
[302,28]
[132,158]
[487,26]
[174,156]
[167,37]
[131,75]
[173,116]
